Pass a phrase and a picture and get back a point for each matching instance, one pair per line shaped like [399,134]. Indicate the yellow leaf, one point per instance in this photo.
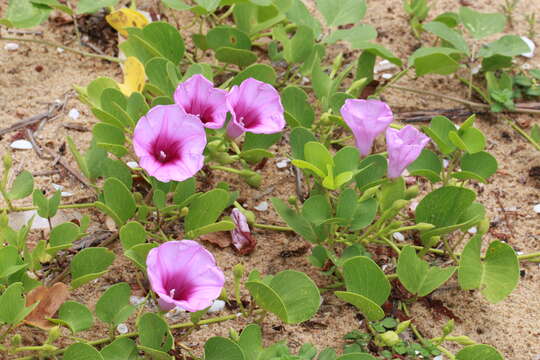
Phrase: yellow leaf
[126,18]
[134,76]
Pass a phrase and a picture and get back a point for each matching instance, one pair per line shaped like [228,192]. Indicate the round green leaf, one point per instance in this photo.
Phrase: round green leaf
[131,234]
[221,36]
[220,348]
[80,351]
[74,315]
[154,333]
[364,277]
[481,164]
[477,352]
[290,295]
[119,199]
[260,72]
[240,57]
[90,264]
[113,307]
[427,165]
[369,309]
[120,349]
[22,186]
[356,356]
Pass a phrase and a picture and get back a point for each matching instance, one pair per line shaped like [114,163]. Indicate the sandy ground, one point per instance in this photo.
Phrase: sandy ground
[34,76]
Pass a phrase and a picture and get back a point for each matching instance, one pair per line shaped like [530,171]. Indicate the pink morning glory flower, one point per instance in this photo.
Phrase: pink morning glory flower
[184,274]
[169,143]
[241,234]
[404,146]
[367,120]
[255,107]
[198,96]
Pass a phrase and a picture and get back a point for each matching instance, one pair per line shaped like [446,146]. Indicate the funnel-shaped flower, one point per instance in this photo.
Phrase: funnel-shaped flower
[198,96]
[241,234]
[169,143]
[367,119]
[184,274]
[404,146]
[255,107]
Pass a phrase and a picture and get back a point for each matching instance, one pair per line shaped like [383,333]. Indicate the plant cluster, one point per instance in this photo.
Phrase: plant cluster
[177,118]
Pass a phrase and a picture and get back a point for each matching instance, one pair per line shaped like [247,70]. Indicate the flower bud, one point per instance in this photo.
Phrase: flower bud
[16,340]
[292,200]
[184,211]
[390,338]
[483,226]
[402,326]
[238,271]
[412,192]
[448,327]
[252,178]
[399,204]
[54,333]
[424,226]
[233,334]
[8,161]
[463,340]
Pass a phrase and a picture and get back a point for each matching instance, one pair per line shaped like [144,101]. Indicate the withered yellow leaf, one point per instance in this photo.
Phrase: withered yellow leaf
[134,76]
[126,18]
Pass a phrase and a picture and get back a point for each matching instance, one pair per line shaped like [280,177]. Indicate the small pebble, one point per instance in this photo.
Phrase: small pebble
[60,50]
[263,206]
[476,69]
[11,47]
[387,76]
[519,252]
[282,163]
[122,328]
[438,357]
[57,187]
[472,230]
[526,67]
[66,194]
[531,46]
[74,114]
[383,66]
[413,205]
[398,236]
[445,163]
[21,145]
[217,306]
[132,164]
[536,208]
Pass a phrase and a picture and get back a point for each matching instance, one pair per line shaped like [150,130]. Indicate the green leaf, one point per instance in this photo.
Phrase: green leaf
[154,333]
[300,15]
[375,167]
[215,227]
[296,104]
[299,138]
[96,88]
[434,60]
[10,261]
[119,199]
[92,6]
[241,58]
[479,351]
[131,234]
[508,45]
[220,348]
[356,356]
[478,166]
[290,295]
[481,25]
[260,141]
[254,156]
[341,12]
[113,307]
[208,5]
[370,309]
[364,277]
[157,39]
[317,154]
[316,209]
[23,14]
[114,102]
[470,140]
[438,131]
[390,192]
[250,341]
[120,349]
[297,222]
[261,72]
[428,165]
[157,72]
[46,207]
[364,214]
[105,134]
[81,351]
[497,275]
[75,316]
[139,253]
[22,186]
[378,50]
[205,209]
[62,236]
[221,36]
[447,34]
[89,264]
[358,34]
[417,276]
[12,305]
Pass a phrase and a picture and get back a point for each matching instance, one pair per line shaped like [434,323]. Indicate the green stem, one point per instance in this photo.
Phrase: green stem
[446,352]
[225,168]
[391,244]
[272,227]
[65,206]
[227,13]
[524,257]
[523,133]
[49,43]
[392,81]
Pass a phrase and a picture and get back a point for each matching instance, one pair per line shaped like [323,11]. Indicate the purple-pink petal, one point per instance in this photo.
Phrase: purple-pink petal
[198,96]
[404,146]
[255,107]
[184,274]
[165,152]
[241,236]
[367,119]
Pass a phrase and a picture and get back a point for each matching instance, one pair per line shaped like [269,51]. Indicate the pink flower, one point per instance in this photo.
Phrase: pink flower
[198,96]
[241,234]
[367,120]
[169,143]
[255,107]
[404,146]
[184,274]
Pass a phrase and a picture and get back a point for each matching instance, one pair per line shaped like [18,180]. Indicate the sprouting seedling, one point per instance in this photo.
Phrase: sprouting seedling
[531,24]
[508,9]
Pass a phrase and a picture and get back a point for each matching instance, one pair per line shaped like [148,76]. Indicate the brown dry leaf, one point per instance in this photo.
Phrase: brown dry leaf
[221,239]
[50,299]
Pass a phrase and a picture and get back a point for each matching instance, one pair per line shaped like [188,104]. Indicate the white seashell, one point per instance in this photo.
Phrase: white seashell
[472,230]
[132,164]
[11,47]
[66,194]
[536,208]
[398,236]
[217,306]
[60,50]
[531,46]
[57,187]
[282,163]
[74,114]
[122,328]
[387,76]
[263,206]
[21,145]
